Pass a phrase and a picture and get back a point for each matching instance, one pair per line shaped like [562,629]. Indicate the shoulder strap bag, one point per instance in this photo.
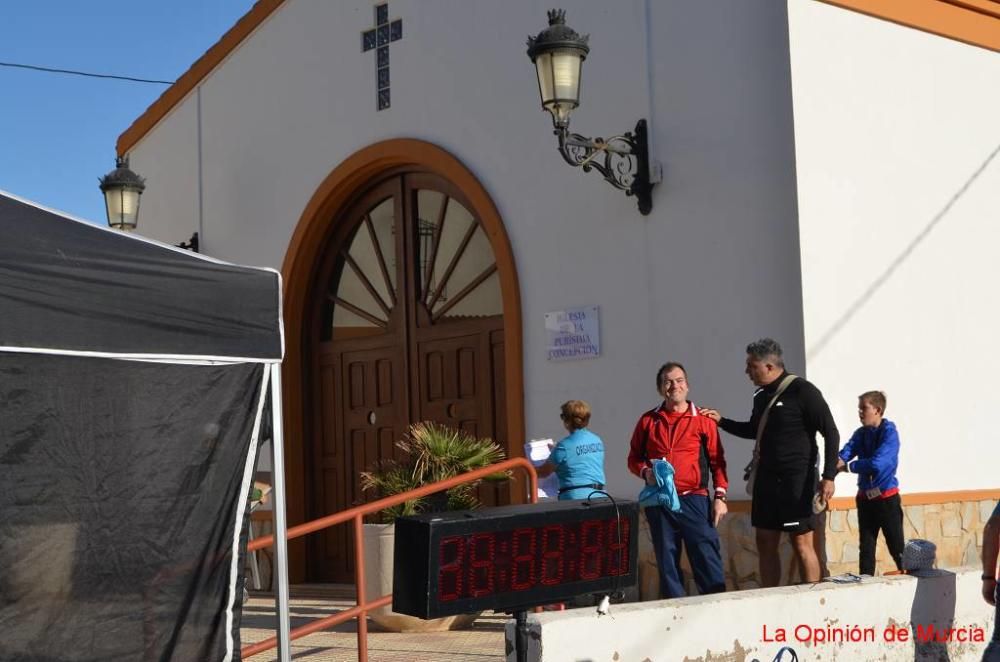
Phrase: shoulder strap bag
[750,471]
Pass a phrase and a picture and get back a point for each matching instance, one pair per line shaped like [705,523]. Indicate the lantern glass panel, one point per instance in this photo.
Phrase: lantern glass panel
[122,207]
[566,75]
[543,65]
[559,82]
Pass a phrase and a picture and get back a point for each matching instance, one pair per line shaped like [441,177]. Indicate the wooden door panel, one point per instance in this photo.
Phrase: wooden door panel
[457,385]
[364,423]
[326,557]
[433,376]
[498,377]
[395,362]
[497,494]
[467,369]
[449,378]
[332,564]
[372,420]
[384,383]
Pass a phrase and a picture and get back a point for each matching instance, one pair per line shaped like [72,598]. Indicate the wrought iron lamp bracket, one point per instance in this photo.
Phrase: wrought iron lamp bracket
[191,244]
[622,160]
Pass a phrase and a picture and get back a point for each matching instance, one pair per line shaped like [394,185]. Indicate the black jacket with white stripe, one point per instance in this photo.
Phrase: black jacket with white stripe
[789,441]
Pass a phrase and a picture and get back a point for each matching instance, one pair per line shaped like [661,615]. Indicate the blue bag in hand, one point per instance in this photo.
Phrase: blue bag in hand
[664,493]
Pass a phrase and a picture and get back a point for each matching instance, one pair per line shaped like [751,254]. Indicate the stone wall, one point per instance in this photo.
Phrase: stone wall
[955,527]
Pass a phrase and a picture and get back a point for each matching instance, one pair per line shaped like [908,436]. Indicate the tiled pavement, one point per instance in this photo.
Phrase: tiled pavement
[484,641]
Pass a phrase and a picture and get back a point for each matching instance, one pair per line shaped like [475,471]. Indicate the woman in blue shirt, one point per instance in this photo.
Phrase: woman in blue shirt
[578,459]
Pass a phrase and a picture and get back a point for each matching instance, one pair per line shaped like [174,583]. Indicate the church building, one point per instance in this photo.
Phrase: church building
[823,173]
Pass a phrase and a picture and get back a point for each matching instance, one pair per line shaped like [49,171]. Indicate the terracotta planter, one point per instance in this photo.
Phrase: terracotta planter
[379,540]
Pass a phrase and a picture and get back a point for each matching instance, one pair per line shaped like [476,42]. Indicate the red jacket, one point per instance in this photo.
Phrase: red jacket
[691,446]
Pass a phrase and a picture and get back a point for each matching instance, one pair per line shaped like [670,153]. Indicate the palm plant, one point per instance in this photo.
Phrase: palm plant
[431,453]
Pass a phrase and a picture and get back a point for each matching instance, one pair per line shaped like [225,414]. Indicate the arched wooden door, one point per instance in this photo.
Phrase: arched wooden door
[411,329]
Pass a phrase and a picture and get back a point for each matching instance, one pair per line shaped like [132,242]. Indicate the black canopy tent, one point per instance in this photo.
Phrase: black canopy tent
[133,381]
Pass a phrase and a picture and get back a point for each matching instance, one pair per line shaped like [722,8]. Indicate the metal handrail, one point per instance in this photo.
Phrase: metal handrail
[357,513]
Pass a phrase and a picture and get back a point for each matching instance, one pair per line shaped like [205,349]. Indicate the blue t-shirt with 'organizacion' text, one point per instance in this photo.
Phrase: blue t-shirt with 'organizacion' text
[579,460]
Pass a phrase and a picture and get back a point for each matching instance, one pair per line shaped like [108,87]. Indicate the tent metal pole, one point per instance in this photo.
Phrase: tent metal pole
[280,525]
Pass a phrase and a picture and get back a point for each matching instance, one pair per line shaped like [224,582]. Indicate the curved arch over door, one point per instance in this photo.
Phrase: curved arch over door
[307,257]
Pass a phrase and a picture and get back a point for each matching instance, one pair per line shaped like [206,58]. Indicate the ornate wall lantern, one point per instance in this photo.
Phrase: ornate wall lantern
[558,53]
[122,189]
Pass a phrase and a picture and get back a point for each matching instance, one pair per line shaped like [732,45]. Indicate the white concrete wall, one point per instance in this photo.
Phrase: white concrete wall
[712,268]
[897,138]
[748,625]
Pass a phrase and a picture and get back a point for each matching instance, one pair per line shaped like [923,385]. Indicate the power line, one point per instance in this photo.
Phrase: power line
[33,67]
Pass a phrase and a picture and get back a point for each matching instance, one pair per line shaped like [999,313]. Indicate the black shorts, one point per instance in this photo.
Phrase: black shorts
[782,500]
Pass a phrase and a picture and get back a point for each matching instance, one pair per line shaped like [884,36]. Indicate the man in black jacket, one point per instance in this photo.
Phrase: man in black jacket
[786,480]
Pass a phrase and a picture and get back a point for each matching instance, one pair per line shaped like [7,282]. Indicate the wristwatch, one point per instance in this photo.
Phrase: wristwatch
[989,577]
[721,497]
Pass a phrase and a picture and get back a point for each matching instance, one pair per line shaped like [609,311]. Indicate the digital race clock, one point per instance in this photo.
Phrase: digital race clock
[512,557]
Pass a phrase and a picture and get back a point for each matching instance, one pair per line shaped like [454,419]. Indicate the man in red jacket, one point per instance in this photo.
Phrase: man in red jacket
[676,432]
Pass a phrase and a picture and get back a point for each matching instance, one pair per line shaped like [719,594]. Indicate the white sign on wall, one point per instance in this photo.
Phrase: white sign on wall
[573,333]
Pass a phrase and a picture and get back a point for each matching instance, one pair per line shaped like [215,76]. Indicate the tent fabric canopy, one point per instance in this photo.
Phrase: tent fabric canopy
[68,285]
[133,384]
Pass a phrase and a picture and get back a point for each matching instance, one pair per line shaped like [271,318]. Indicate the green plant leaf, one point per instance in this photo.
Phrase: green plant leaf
[433,452]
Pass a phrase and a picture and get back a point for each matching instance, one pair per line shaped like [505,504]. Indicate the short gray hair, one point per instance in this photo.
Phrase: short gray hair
[766,348]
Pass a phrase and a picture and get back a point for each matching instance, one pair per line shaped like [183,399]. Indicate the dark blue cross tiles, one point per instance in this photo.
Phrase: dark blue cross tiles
[379,38]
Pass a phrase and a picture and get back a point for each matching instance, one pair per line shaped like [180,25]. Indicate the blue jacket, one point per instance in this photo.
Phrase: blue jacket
[877,453]
[664,493]
[579,460]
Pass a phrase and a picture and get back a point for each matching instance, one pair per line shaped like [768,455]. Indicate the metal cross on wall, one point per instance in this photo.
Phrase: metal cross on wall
[379,38]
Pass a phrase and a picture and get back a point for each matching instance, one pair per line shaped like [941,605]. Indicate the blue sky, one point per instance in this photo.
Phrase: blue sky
[58,132]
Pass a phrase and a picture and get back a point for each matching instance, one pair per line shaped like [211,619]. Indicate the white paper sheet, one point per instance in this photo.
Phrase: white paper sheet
[538,451]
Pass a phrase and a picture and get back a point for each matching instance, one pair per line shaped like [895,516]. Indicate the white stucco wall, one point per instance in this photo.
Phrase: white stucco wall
[748,625]
[899,189]
[714,266]
[172,198]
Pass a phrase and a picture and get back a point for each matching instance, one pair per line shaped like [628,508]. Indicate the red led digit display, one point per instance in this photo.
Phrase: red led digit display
[591,537]
[481,548]
[452,551]
[519,556]
[480,564]
[617,557]
[522,572]
[553,555]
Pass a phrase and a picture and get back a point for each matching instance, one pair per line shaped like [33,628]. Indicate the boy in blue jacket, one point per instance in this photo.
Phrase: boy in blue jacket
[873,454]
